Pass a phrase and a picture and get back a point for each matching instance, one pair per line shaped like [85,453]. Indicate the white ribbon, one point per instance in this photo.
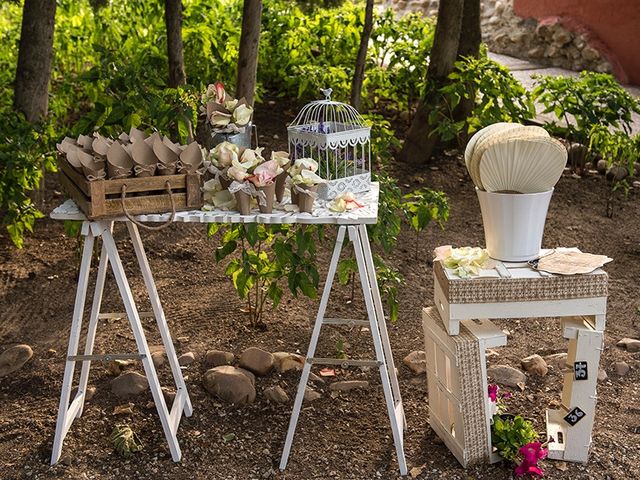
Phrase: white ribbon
[303,191]
[100,176]
[250,189]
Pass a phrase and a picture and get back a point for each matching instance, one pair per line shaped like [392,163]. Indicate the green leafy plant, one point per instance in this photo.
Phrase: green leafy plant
[497,96]
[510,433]
[581,103]
[262,256]
[125,440]
[24,157]
[423,206]
[620,152]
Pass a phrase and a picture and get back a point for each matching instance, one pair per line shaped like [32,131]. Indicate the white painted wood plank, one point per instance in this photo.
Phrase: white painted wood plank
[546,308]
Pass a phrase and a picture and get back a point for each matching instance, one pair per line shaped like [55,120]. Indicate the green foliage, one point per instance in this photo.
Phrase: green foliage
[589,100]
[509,434]
[24,156]
[497,95]
[125,440]
[616,147]
[263,256]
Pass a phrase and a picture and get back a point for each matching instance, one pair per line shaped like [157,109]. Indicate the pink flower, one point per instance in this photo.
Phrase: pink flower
[531,453]
[493,392]
[265,173]
[220,93]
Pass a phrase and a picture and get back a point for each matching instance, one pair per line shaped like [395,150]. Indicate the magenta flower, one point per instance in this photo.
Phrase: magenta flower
[531,453]
[493,392]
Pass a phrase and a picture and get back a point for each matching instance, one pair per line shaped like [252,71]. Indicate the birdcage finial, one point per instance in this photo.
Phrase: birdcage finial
[327,93]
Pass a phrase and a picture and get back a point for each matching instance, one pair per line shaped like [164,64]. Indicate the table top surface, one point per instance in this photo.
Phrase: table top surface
[515,271]
[367,214]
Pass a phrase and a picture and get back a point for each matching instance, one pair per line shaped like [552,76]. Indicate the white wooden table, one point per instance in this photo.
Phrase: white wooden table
[514,290]
[352,224]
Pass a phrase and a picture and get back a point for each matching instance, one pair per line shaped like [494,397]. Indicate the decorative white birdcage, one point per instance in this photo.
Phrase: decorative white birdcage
[335,135]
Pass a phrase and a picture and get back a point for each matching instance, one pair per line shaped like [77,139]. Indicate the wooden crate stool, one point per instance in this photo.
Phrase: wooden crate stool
[459,404]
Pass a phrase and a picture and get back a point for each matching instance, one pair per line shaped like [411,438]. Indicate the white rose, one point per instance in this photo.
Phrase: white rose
[242,114]
[220,119]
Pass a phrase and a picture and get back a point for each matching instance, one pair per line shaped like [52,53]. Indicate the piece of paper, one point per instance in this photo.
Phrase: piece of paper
[571,262]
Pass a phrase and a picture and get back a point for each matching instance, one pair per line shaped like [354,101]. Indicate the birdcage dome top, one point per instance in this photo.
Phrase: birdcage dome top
[328,111]
[328,123]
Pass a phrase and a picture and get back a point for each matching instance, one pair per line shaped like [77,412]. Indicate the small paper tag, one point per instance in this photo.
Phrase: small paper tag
[580,370]
[574,416]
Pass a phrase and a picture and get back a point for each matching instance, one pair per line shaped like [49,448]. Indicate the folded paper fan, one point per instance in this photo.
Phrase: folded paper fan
[498,137]
[524,165]
[480,134]
[571,262]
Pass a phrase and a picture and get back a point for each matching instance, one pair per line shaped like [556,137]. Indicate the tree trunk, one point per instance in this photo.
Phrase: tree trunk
[31,93]
[248,55]
[420,142]
[470,38]
[361,61]
[173,21]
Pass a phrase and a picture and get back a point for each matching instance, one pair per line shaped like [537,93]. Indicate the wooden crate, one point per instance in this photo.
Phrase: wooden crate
[459,404]
[102,198]
[571,424]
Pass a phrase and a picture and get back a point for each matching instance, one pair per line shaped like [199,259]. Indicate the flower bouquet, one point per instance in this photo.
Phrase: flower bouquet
[240,172]
[226,115]
[264,179]
[304,183]
[221,158]
[284,162]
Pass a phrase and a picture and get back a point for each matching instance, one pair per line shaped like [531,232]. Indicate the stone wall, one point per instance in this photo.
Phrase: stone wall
[547,42]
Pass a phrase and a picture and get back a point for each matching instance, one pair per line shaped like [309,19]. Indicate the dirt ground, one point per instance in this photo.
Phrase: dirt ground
[346,436]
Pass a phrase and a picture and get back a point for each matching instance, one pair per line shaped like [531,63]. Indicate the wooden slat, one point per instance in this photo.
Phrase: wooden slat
[145,204]
[145,184]
[75,193]
[77,178]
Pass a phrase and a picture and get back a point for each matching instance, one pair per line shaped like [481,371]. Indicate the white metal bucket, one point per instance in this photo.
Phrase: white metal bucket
[514,223]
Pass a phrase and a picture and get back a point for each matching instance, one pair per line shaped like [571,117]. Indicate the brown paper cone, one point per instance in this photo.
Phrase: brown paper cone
[294,196]
[269,192]
[305,202]
[243,202]
[280,184]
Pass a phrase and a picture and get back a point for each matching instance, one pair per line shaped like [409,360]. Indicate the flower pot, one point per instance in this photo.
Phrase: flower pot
[243,202]
[242,139]
[305,200]
[279,186]
[269,193]
[514,223]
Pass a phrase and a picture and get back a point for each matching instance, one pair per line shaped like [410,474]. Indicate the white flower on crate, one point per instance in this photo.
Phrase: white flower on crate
[224,113]
[464,261]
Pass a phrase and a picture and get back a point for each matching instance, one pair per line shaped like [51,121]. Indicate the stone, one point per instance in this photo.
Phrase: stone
[276,394]
[215,358]
[315,378]
[230,384]
[601,166]
[158,358]
[310,395]
[416,361]
[256,360]
[186,359]
[602,375]
[169,396]
[561,37]
[506,375]
[630,344]
[129,383]
[348,385]
[557,361]
[116,367]
[621,368]
[535,365]
[590,54]
[617,173]
[88,394]
[536,52]
[14,358]
[285,361]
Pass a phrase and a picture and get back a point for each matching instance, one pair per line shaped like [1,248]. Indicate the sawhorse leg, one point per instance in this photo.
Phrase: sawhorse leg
[66,413]
[384,358]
